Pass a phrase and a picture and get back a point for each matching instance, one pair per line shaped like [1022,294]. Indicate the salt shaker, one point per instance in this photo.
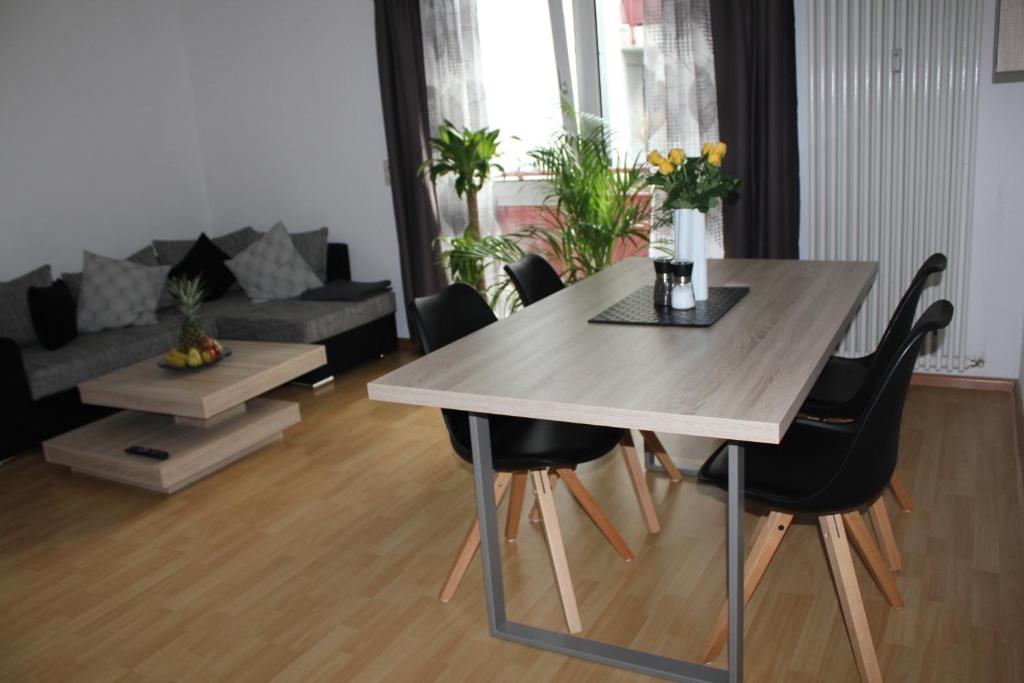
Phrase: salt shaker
[663,282]
[682,287]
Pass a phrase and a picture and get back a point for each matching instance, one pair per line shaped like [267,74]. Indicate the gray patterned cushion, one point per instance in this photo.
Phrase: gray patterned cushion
[170,252]
[118,293]
[312,246]
[15,321]
[272,268]
[145,256]
[299,321]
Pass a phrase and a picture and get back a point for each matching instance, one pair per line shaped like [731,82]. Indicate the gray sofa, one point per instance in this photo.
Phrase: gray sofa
[42,397]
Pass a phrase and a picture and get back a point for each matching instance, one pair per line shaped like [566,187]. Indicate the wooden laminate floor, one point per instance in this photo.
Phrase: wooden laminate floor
[320,558]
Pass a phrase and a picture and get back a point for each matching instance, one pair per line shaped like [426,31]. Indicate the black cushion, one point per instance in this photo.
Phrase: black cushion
[54,315]
[206,260]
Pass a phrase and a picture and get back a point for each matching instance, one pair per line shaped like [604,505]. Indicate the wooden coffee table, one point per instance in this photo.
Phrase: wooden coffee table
[204,418]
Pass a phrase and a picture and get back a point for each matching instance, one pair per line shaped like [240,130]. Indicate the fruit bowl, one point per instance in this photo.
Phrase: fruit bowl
[196,358]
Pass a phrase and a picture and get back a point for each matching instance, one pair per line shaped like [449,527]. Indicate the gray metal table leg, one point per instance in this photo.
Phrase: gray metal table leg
[735,550]
[562,643]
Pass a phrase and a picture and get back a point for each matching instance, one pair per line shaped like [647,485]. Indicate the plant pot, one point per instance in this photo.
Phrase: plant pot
[688,228]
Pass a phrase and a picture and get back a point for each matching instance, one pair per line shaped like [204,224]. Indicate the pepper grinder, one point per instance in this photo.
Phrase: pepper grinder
[663,282]
[682,287]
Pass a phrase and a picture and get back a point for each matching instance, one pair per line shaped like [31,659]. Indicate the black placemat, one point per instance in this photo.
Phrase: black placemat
[638,309]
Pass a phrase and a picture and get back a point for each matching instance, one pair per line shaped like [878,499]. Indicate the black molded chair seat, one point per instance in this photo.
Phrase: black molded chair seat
[786,477]
[527,444]
[837,383]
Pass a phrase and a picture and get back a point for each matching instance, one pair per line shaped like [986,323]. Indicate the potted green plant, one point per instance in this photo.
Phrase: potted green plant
[469,156]
[596,199]
[692,186]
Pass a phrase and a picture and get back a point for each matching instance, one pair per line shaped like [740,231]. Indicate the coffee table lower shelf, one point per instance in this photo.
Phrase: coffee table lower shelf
[196,448]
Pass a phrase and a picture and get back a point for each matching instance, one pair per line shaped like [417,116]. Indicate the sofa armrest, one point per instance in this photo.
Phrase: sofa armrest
[16,419]
[338,267]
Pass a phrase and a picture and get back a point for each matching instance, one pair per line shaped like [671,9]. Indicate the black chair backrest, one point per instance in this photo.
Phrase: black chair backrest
[895,335]
[534,278]
[449,315]
[871,457]
[903,317]
[440,319]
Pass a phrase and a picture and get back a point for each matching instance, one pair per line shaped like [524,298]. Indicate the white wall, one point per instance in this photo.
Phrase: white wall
[126,120]
[290,122]
[1020,373]
[996,294]
[98,145]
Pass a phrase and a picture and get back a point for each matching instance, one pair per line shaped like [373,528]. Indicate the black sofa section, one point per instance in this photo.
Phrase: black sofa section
[25,422]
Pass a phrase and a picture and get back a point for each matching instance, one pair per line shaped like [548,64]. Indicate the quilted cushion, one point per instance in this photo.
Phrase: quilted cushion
[145,256]
[272,268]
[15,319]
[312,246]
[118,293]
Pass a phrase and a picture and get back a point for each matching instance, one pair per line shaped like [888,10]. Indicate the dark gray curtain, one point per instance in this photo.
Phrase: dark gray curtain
[403,93]
[755,69]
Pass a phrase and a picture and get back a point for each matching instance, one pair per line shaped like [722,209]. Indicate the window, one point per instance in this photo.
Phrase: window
[620,43]
[517,58]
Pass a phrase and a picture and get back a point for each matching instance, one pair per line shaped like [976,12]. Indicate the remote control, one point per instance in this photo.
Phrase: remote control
[148,452]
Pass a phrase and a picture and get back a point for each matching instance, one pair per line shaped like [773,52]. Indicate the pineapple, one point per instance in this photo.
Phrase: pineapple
[188,296]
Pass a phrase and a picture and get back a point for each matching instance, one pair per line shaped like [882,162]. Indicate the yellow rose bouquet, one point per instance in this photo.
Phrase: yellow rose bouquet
[691,182]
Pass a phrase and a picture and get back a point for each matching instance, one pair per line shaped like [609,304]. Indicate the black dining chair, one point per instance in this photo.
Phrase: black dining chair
[535,279]
[845,386]
[831,471]
[543,449]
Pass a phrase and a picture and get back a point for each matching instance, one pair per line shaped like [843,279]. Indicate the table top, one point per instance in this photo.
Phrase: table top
[743,378]
[253,368]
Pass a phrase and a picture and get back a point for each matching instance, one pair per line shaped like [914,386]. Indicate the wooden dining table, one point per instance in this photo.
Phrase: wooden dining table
[742,379]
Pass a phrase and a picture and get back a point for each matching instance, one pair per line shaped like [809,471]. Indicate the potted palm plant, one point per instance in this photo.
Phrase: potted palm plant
[596,200]
[469,156]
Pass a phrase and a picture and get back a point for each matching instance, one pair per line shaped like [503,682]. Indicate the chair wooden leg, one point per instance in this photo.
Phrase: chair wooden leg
[587,502]
[535,510]
[656,447]
[865,544]
[546,502]
[886,538]
[639,481]
[845,577]
[900,492]
[515,505]
[767,537]
[472,542]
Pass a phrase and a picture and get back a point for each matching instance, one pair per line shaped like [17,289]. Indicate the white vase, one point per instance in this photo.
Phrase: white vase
[688,227]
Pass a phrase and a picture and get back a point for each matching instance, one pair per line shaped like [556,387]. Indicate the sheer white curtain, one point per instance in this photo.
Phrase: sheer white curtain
[679,87]
[455,91]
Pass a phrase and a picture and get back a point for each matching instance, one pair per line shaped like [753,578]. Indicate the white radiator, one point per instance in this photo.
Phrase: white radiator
[891,130]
